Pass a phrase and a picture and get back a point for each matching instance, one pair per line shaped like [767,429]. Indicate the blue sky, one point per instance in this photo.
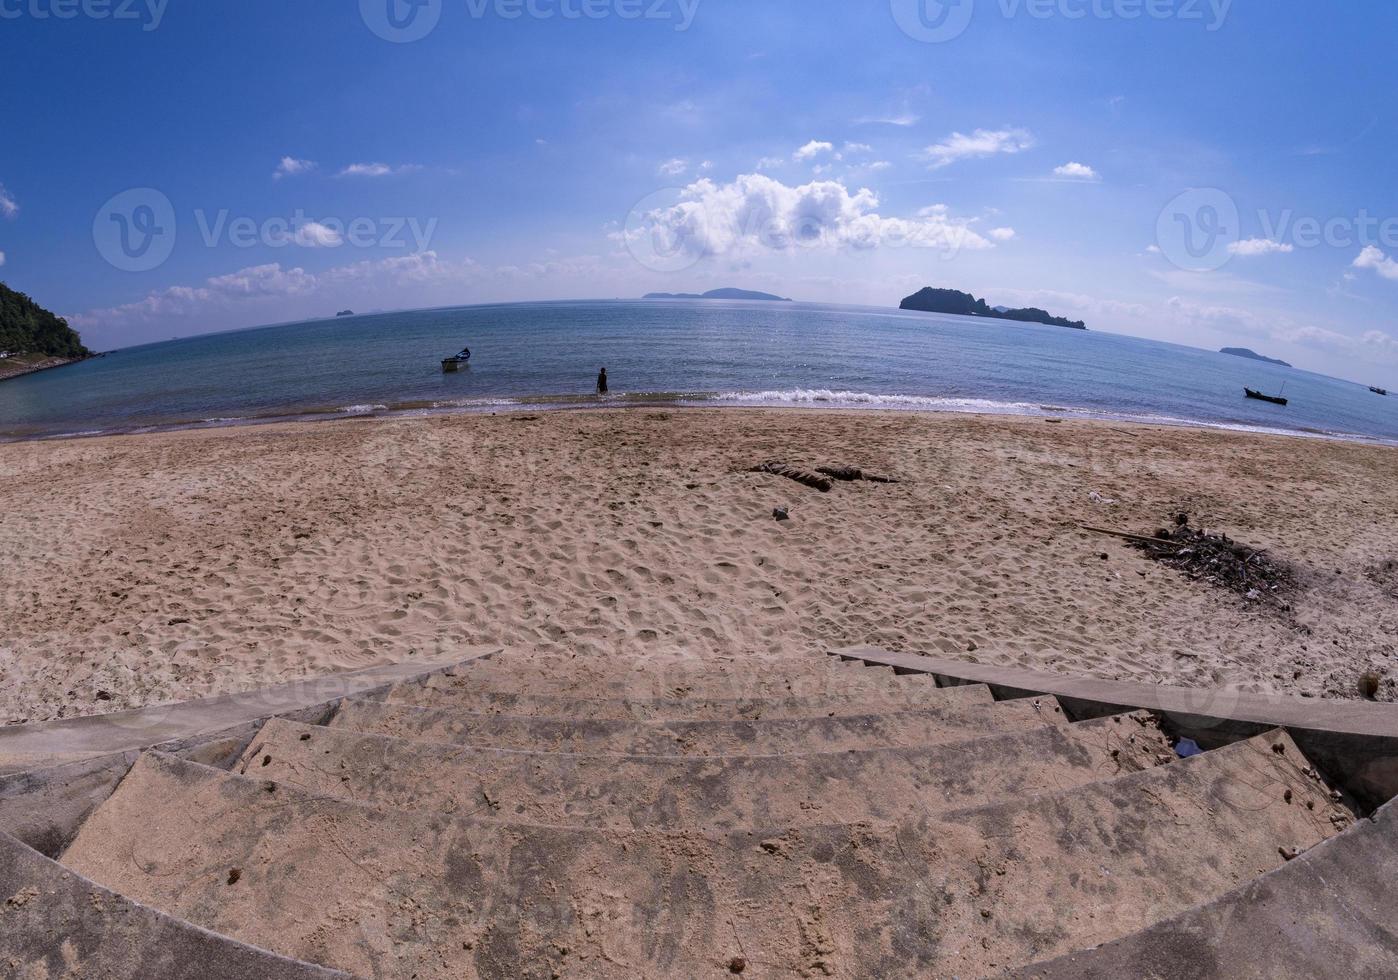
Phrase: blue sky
[1201,171]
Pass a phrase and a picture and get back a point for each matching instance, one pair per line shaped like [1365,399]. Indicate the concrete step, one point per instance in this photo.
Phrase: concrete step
[649,679]
[628,792]
[1330,912]
[402,893]
[963,713]
[54,923]
[461,694]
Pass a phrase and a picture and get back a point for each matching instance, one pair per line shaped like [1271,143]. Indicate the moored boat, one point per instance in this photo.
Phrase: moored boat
[1274,399]
[456,362]
[1378,391]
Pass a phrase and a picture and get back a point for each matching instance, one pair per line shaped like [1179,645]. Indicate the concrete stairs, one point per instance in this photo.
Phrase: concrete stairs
[545,817]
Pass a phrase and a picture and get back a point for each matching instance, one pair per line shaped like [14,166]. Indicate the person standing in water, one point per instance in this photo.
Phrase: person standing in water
[602,382]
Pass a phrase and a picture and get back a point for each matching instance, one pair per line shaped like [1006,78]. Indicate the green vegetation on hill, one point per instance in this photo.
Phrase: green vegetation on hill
[28,328]
[932,300]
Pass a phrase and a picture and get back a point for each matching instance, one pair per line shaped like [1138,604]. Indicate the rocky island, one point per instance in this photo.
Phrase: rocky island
[931,300]
[1252,355]
[33,339]
[720,294]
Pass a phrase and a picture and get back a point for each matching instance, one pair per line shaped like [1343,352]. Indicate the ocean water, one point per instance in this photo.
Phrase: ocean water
[541,355]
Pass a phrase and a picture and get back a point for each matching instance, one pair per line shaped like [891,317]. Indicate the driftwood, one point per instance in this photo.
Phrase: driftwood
[805,477]
[1138,538]
[850,474]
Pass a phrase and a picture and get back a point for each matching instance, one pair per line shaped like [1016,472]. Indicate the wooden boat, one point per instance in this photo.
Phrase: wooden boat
[455,363]
[1274,399]
[1378,391]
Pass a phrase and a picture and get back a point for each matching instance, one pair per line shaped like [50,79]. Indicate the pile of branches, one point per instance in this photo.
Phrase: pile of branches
[1215,558]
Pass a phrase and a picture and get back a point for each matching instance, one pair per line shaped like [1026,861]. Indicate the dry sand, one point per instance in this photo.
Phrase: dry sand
[168,566]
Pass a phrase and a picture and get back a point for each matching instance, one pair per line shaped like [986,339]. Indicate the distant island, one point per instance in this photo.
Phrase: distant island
[1252,355]
[953,301]
[33,339]
[720,294]
[345,313]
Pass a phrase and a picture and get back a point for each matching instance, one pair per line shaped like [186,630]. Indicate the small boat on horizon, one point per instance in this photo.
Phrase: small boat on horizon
[1274,399]
[1378,391]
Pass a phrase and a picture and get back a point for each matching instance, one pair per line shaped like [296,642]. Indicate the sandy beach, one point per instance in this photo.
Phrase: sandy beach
[142,569]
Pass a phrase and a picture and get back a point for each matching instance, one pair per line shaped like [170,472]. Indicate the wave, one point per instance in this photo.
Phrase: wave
[827,396]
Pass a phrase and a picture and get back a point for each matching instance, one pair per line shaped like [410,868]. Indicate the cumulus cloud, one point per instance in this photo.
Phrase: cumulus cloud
[1252,247]
[1002,234]
[981,143]
[757,212]
[8,207]
[274,282]
[313,234]
[1072,170]
[378,169]
[858,148]
[1373,258]
[292,167]
[814,149]
[673,168]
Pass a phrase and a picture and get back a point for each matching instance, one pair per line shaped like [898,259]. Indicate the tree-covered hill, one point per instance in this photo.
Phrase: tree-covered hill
[28,328]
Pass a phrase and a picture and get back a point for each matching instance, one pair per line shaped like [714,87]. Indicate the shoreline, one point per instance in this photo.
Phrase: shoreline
[917,405]
[47,364]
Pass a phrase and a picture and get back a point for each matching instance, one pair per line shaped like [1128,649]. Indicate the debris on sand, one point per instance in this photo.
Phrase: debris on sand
[853,474]
[1216,559]
[804,477]
[822,478]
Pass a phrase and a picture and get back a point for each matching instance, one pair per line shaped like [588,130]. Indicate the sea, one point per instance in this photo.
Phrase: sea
[542,356]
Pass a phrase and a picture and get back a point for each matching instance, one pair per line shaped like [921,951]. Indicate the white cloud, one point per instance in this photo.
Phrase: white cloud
[757,212]
[1002,234]
[981,143]
[313,234]
[706,165]
[672,168]
[1252,247]
[274,284]
[1153,249]
[2,258]
[770,163]
[902,120]
[858,148]
[1373,258]
[1072,170]
[291,167]
[8,207]
[813,149]
[378,170]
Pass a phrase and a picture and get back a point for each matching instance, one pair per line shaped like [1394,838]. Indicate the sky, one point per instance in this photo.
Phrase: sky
[1207,172]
